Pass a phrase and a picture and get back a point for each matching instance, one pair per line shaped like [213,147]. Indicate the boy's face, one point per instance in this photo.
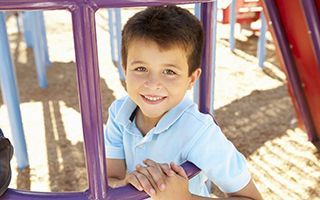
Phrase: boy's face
[157,79]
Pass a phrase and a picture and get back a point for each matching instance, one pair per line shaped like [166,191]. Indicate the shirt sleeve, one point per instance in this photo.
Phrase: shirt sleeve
[220,161]
[113,136]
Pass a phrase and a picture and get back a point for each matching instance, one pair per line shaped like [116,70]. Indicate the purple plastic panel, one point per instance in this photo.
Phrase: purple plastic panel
[291,68]
[83,18]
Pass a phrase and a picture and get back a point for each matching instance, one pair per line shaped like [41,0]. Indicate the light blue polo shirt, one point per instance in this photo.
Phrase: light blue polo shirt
[182,134]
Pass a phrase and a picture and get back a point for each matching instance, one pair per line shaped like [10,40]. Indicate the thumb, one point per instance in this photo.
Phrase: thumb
[178,169]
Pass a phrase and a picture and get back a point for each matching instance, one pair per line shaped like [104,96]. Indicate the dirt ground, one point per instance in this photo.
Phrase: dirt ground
[251,105]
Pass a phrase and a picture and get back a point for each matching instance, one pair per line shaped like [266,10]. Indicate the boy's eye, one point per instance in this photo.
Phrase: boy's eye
[169,72]
[140,69]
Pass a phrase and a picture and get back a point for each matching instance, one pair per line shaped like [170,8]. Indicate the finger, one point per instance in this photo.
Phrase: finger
[158,176]
[164,166]
[178,169]
[133,180]
[145,172]
[149,162]
[146,179]
[145,183]
[166,169]
[157,173]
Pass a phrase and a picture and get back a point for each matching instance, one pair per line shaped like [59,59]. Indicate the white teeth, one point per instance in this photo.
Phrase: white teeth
[153,98]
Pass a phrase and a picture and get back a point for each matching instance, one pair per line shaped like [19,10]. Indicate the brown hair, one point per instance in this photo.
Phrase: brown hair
[167,26]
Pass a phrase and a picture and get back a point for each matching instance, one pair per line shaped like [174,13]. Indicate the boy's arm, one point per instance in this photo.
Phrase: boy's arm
[249,192]
[116,172]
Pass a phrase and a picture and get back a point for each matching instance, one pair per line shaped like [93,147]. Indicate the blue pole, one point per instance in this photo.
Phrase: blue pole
[111,33]
[27,29]
[39,54]
[197,8]
[118,27]
[44,39]
[261,51]
[11,98]
[232,20]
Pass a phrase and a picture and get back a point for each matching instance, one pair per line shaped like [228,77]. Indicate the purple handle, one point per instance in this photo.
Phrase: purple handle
[127,192]
[130,193]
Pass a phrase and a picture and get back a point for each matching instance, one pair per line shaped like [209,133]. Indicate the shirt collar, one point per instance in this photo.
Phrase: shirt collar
[173,115]
[125,111]
[128,106]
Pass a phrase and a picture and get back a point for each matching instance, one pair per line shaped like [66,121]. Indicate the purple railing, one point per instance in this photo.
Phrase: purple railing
[84,32]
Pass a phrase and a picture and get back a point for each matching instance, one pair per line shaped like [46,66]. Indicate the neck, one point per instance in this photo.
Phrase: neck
[144,123]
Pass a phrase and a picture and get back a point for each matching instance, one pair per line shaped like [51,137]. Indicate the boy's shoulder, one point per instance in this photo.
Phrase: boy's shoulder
[193,116]
[122,107]
[118,103]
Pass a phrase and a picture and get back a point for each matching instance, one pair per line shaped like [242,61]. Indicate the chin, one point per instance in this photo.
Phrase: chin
[153,114]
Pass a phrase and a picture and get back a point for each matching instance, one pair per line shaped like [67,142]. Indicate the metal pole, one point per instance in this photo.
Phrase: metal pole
[11,97]
[84,32]
[206,77]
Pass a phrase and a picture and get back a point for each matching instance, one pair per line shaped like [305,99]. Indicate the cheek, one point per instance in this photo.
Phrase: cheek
[176,84]
[130,77]
[133,81]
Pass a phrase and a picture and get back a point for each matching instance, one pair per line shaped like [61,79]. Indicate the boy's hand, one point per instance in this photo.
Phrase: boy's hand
[177,186]
[150,178]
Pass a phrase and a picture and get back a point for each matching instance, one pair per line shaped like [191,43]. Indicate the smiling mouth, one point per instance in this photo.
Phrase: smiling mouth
[152,99]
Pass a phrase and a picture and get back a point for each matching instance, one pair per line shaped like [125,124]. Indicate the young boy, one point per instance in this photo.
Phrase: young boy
[157,124]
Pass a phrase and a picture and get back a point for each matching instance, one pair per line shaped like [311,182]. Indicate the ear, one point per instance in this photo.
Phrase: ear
[194,77]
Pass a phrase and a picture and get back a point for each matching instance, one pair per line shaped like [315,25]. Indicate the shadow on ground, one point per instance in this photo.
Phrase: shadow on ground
[250,46]
[254,119]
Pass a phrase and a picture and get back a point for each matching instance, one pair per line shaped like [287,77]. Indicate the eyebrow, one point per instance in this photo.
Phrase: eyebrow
[141,62]
[171,65]
[137,62]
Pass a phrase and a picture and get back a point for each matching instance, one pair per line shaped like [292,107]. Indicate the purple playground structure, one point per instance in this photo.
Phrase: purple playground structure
[296,30]
[84,32]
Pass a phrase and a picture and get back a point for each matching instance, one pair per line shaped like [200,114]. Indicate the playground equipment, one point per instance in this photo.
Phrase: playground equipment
[10,96]
[83,18]
[34,32]
[213,66]
[35,37]
[114,15]
[298,42]
[246,12]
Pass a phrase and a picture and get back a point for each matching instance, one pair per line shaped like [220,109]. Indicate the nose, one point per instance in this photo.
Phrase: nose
[152,82]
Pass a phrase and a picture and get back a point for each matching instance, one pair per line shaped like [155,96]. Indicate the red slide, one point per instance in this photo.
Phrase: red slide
[247,11]
[296,31]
